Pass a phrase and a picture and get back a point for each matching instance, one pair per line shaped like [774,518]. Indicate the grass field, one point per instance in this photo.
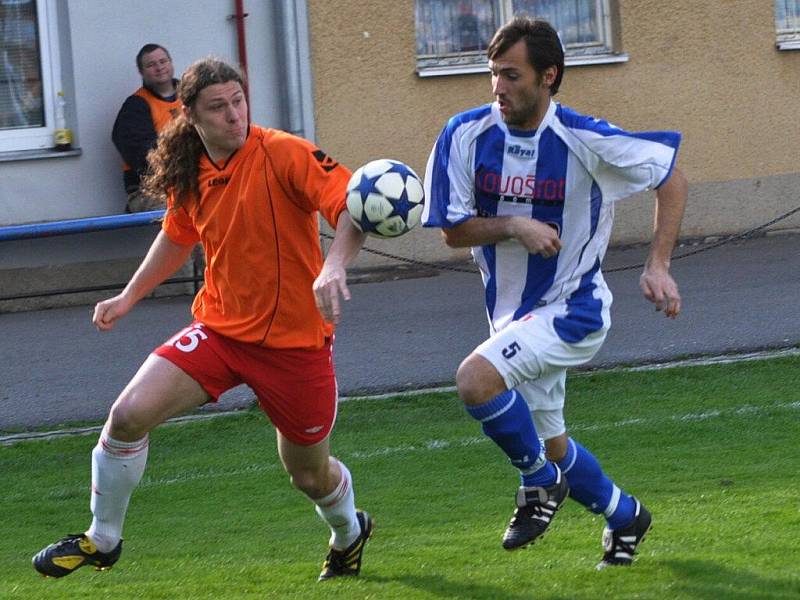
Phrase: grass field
[713,452]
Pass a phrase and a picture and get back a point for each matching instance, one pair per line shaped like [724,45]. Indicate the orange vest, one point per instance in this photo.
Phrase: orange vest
[161,111]
[257,218]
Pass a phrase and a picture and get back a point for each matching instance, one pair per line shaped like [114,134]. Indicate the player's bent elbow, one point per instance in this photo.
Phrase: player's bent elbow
[453,239]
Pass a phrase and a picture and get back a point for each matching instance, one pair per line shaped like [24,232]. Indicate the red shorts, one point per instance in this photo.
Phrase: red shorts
[295,388]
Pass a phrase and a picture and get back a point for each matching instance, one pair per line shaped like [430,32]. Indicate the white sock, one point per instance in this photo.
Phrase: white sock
[117,468]
[338,510]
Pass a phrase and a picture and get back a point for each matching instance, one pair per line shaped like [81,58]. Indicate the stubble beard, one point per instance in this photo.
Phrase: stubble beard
[529,106]
[522,115]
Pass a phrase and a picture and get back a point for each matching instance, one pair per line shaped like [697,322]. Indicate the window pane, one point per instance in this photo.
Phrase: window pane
[21,104]
[453,35]
[448,27]
[577,21]
[787,16]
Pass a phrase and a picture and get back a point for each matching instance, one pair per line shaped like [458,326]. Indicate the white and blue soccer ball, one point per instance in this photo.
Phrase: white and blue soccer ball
[385,198]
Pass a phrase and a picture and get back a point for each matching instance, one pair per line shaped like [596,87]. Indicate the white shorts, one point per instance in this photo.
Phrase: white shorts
[533,359]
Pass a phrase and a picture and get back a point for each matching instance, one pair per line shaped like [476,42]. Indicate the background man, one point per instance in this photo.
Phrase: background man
[142,116]
[530,185]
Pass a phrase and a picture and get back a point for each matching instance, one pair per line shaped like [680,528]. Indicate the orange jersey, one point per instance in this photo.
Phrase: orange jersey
[257,221]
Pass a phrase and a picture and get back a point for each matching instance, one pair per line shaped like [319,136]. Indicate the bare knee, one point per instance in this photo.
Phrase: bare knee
[556,448]
[126,422]
[478,381]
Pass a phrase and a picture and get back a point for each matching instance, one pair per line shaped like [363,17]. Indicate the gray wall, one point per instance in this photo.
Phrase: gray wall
[101,39]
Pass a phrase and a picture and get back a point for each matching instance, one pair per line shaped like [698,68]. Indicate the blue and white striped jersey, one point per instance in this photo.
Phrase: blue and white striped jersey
[567,173]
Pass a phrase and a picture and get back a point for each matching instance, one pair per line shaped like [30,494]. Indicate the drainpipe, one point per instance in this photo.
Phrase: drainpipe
[295,60]
[241,42]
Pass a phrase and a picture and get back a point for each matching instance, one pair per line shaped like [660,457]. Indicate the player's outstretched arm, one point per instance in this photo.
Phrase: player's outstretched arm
[162,260]
[656,282]
[330,285]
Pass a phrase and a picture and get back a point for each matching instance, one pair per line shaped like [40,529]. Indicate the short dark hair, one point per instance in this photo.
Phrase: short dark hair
[147,49]
[544,45]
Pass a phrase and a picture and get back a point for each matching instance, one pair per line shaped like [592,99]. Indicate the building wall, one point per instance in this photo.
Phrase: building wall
[100,40]
[103,38]
[707,69]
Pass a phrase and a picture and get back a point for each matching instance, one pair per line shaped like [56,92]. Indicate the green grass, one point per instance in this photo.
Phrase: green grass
[711,450]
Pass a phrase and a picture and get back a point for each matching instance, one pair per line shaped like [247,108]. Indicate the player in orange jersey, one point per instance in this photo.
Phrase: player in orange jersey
[264,317]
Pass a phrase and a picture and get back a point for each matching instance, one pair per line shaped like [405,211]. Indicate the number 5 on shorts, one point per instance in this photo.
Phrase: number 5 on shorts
[511,350]
[195,333]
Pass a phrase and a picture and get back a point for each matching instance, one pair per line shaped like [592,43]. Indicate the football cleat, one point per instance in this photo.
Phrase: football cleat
[72,552]
[620,544]
[348,561]
[536,507]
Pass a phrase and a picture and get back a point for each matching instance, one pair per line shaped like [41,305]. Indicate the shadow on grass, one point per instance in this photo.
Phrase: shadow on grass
[707,579]
[442,587]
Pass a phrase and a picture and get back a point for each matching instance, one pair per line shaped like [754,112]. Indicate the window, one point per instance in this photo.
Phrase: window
[29,74]
[787,24]
[453,35]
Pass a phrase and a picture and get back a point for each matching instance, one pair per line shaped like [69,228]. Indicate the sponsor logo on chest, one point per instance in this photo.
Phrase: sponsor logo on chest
[521,188]
[520,151]
[217,181]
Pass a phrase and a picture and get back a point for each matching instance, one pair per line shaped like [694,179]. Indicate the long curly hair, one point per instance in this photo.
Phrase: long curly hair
[174,163]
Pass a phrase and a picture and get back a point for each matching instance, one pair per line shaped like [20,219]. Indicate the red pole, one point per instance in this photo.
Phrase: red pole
[241,41]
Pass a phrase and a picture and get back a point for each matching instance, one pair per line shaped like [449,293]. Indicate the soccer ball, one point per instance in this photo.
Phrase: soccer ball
[385,198]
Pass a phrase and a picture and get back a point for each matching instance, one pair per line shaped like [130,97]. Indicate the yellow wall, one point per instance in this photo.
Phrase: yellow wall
[708,69]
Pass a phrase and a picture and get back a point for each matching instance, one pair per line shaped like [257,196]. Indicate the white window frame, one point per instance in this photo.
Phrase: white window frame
[38,138]
[476,62]
[787,39]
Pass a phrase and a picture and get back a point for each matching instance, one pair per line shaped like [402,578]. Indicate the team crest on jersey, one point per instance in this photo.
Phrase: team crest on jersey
[325,161]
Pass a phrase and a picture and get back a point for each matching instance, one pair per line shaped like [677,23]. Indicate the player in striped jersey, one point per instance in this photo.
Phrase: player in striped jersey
[530,186]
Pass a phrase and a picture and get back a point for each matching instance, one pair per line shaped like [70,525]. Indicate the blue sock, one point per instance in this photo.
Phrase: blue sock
[589,486]
[507,421]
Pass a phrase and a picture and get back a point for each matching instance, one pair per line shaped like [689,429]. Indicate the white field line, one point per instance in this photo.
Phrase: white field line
[704,361]
[432,446]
